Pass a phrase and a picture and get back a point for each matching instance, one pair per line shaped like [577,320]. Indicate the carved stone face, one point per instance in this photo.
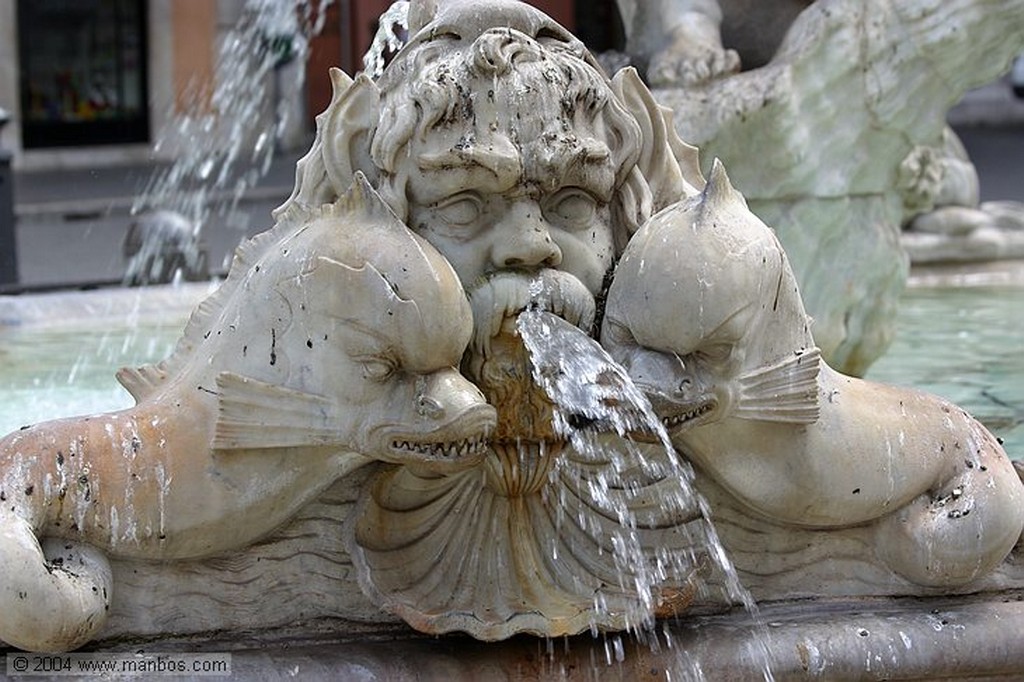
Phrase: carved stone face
[510,174]
[513,188]
[492,206]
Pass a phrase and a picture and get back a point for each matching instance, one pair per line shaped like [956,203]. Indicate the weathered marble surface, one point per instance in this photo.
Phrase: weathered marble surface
[853,90]
[524,174]
[843,639]
[925,490]
[308,363]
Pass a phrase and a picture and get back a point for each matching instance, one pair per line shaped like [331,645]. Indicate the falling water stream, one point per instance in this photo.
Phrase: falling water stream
[222,142]
[594,396]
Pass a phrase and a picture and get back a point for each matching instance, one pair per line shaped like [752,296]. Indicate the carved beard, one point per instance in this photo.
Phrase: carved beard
[498,362]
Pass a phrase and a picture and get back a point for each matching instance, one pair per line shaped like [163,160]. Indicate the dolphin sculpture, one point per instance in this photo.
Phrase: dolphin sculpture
[705,314]
[332,343]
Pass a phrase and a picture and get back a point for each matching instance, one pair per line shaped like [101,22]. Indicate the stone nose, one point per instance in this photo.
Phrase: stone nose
[446,394]
[522,239]
[687,385]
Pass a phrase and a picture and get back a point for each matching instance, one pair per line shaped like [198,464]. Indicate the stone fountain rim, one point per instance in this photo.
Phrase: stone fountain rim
[966,637]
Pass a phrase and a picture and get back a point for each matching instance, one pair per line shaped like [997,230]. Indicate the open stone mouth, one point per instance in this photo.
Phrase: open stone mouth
[469,447]
[584,422]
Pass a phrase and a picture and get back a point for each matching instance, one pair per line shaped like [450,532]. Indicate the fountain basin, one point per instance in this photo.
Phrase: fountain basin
[959,333]
[58,351]
[959,638]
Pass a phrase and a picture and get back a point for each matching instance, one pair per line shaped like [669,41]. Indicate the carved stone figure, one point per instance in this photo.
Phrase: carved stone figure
[513,155]
[368,395]
[331,343]
[689,42]
[706,315]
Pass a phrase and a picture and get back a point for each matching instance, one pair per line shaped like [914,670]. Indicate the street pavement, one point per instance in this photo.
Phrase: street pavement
[70,225]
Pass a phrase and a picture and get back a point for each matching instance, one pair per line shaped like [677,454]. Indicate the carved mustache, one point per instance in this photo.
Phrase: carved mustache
[504,295]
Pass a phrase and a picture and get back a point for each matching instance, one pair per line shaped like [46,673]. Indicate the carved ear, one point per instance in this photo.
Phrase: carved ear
[347,125]
[341,146]
[669,165]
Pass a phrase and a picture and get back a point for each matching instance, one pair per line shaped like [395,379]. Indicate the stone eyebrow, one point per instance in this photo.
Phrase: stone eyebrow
[506,168]
[585,162]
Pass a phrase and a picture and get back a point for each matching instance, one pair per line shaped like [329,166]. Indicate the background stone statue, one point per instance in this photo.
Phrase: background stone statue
[688,42]
[959,227]
[851,92]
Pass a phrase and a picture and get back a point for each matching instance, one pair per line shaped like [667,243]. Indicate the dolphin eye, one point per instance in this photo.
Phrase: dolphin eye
[377,369]
[617,334]
[715,352]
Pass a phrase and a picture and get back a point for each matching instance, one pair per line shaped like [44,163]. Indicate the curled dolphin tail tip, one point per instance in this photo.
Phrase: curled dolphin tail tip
[959,536]
[53,597]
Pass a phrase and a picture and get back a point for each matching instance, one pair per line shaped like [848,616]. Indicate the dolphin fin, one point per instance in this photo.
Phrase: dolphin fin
[142,381]
[786,391]
[253,414]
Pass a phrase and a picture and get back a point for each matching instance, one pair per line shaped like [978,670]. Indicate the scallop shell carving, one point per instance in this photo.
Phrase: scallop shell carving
[543,542]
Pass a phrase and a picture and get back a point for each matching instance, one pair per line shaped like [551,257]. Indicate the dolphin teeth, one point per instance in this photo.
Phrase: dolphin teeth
[678,419]
[442,450]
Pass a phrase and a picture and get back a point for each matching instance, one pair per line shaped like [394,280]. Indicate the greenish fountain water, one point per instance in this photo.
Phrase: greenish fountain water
[59,352]
[966,344]
[958,337]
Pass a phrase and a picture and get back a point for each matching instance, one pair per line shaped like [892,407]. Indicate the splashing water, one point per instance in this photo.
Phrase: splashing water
[642,488]
[392,33]
[225,147]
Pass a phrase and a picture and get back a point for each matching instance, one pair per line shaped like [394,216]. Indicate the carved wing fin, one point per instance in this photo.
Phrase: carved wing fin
[341,146]
[257,415]
[142,381]
[670,165]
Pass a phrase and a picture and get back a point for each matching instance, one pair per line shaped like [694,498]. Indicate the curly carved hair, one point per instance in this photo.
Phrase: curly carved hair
[432,86]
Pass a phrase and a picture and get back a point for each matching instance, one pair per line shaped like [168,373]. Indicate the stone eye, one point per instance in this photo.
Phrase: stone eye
[572,207]
[715,352]
[459,210]
[377,369]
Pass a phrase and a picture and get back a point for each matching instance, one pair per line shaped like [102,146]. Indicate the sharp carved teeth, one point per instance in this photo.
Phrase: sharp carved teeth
[446,450]
[678,419]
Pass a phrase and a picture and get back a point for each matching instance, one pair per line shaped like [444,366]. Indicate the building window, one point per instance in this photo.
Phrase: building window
[82,72]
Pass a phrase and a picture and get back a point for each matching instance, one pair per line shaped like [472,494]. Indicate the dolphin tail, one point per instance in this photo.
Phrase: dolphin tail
[53,597]
[966,527]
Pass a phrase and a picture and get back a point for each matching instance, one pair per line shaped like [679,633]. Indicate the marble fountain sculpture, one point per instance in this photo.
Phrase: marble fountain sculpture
[403,403]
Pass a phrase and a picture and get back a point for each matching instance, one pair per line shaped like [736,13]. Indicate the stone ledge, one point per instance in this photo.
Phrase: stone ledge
[971,637]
